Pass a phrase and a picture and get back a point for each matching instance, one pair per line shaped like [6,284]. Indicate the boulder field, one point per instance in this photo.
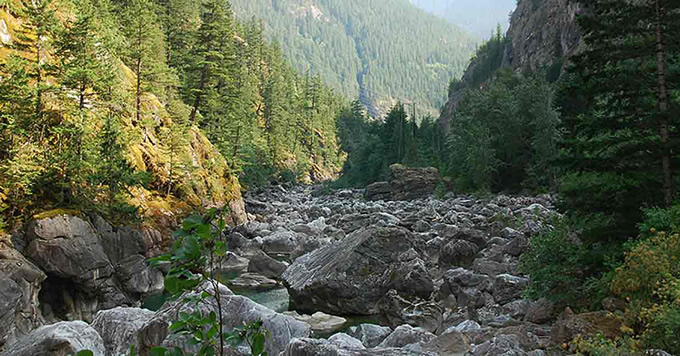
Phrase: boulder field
[436,276]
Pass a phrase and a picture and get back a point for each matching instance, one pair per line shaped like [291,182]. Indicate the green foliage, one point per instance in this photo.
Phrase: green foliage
[379,51]
[614,113]
[660,219]
[199,245]
[504,136]
[372,146]
[554,262]
[649,279]
[599,345]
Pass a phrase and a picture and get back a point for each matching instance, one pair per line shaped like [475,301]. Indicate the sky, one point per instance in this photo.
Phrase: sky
[479,17]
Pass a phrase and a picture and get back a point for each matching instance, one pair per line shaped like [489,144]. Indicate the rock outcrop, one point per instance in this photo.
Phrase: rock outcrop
[20,282]
[404,184]
[89,266]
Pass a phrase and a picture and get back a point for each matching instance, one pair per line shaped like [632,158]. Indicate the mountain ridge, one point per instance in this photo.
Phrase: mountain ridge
[381,52]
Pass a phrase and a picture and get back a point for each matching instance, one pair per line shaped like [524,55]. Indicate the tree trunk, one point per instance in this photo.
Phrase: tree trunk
[662,93]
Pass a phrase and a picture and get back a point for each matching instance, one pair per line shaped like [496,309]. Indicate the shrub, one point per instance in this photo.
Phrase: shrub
[565,270]
[554,263]
[660,219]
[649,280]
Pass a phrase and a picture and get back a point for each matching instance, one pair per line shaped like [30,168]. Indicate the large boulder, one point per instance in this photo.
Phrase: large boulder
[61,339]
[237,310]
[69,247]
[19,287]
[405,184]
[352,275]
[118,328]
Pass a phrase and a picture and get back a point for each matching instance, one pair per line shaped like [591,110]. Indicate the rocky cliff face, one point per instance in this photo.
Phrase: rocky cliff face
[543,34]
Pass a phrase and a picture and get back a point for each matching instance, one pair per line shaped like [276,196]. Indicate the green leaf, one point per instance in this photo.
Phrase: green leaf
[192,249]
[258,344]
[212,331]
[159,351]
[85,353]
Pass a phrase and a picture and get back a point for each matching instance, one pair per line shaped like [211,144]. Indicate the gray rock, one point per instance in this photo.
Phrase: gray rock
[263,264]
[507,288]
[502,345]
[540,311]
[20,282]
[352,275]
[279,242]
[417,312]
[517,309]
[345,341]
[68,246]
[490,267]
[421,226]
[405,184]
[236,309]
[320,322]
[233,263]
[458,253]
[135,276]
[321,347]
[450,343]
[471,235]
[118,328]
[252,281]
[468,325]
[60,339]
[405,335]
[370,334]
[517,246]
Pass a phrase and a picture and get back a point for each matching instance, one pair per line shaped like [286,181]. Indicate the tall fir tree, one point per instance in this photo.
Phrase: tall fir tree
[620,151]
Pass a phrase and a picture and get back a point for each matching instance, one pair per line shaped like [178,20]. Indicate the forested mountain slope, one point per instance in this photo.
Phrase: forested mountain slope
[540,38]
[477,16]
[141,106]
[380,51]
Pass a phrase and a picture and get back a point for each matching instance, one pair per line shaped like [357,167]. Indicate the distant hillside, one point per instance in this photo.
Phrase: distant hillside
[380,50]
[477,16]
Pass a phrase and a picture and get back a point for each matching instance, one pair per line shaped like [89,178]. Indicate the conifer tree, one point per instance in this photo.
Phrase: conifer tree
[208,74]
[145,49]
[619,155]
[35,37]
